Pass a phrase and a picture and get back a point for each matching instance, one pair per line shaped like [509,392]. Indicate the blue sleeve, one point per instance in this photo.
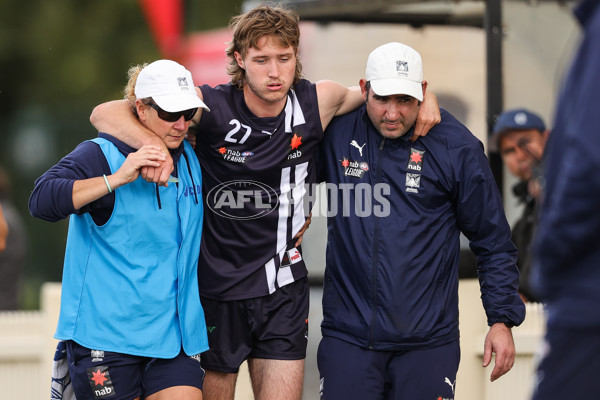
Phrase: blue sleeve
[52,195]
[567,239]
[482,220]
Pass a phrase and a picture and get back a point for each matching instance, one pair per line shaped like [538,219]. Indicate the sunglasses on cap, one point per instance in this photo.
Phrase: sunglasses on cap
[174,116]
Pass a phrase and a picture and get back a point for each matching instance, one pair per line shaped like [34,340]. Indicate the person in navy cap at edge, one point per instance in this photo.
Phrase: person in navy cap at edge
[519,135]
[566,269]
[397,209]
[130,311]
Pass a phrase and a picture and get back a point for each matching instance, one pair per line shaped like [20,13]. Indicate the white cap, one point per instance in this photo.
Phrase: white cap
[395,68]
[170,85]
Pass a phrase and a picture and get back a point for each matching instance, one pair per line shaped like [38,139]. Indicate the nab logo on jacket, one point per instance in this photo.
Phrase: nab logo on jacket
[415,160]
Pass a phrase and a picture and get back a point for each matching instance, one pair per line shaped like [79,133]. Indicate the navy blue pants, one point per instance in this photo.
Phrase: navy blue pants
[97,374]
[352,372]
[569,367]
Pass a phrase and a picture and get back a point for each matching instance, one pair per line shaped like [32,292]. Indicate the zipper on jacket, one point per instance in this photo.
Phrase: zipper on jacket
[375,257]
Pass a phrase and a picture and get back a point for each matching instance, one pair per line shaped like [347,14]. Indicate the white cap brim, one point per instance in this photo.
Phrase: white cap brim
[391,87]
[179,102]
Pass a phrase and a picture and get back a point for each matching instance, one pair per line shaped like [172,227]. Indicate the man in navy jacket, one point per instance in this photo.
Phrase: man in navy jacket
[396,211]
[566,272]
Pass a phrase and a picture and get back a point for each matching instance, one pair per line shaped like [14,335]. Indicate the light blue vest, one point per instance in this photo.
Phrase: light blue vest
[131,285]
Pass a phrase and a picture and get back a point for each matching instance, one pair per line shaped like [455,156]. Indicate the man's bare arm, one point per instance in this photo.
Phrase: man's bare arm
[117,119]
[336,99]
[429,115]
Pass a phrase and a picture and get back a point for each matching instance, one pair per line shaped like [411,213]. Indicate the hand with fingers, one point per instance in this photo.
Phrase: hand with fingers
[428,116]
[148,157]
[499,341]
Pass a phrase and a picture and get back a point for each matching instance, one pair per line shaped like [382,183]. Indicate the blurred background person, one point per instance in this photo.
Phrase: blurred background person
[3,230]
[566,269]
[12,259]
[519,135]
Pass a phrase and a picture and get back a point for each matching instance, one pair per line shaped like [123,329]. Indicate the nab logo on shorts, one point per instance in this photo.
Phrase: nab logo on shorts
[100,382]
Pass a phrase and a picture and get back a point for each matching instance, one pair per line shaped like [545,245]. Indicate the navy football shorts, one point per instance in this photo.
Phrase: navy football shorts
[97,374]
[348,371]
[568,364]
[270,327]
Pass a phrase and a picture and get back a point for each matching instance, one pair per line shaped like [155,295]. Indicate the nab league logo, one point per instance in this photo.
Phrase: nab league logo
[242,199]
[234,156]
[354,169]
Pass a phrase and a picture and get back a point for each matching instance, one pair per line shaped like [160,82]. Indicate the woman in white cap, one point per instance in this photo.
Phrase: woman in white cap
[131,318]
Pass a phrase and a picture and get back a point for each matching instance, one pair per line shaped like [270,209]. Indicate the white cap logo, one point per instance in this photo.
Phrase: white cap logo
[183,84]
[402,66]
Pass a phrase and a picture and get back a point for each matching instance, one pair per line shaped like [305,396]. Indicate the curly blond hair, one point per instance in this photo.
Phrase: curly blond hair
[129,90]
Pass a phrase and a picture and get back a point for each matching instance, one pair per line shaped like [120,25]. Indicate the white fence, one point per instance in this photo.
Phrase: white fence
[27,348]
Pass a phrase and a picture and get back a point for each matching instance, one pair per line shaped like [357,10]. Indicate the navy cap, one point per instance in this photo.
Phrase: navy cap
[512,120]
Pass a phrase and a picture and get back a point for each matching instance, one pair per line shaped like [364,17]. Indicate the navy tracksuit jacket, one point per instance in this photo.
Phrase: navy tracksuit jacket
[397,211]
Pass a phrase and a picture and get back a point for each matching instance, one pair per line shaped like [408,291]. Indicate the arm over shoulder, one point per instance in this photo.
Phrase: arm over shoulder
[336,99]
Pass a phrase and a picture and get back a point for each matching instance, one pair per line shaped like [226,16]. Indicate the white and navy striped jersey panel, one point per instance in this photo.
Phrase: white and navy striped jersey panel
[255,173]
